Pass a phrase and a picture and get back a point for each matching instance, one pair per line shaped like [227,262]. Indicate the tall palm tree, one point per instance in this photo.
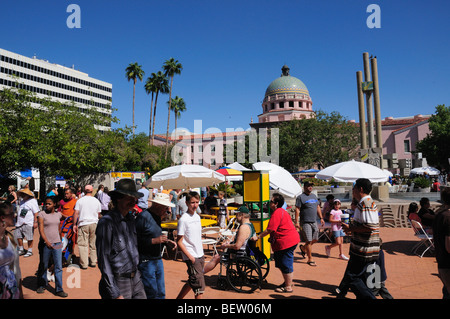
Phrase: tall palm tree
[170,67]
[134,72]
[161,86]
[150,87]
[178,106]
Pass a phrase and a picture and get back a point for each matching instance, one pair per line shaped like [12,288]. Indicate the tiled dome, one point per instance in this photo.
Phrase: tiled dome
[286,84]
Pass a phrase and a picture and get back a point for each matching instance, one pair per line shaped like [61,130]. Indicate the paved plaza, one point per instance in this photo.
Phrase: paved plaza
[409,276]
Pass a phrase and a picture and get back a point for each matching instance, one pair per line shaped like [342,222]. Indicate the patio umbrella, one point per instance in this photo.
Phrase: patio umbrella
[184,176]
[226,171]
[280,179]
[238,166]
[350,171]
[423,170]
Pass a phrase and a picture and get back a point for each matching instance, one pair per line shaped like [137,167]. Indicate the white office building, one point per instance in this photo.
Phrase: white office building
[61,83]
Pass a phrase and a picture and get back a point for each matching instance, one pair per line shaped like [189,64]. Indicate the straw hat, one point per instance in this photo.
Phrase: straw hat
[26,191]
[163,199]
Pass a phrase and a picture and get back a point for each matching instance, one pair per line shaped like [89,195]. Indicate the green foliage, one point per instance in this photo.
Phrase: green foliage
[322,140]
[435,147]
[58,139]
[225,187]
[422,182]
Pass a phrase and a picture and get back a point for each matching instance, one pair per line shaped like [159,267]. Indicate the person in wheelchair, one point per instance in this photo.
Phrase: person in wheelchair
[245,232]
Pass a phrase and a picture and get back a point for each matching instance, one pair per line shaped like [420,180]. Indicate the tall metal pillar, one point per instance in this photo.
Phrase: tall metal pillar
[362,113]
[376,101]
[368,100]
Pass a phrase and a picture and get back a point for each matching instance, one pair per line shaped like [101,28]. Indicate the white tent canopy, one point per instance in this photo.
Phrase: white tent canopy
[350,171]
[280,179]
[422,170]
[184,176]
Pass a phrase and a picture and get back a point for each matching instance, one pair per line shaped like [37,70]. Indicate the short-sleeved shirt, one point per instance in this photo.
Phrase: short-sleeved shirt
[336,216]
[26,212]
[148,226]
[190,227]
[51,225]
[285,233]
[441,229]
[89,207]
[67,207]
[366,245]
[308,207]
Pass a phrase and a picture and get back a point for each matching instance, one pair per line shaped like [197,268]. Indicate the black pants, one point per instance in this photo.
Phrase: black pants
[355,277]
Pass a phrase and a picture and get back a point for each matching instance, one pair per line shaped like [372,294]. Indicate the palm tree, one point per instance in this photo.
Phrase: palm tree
[170,67]
[150,87]
[134,72]
[161,86]
[178,106]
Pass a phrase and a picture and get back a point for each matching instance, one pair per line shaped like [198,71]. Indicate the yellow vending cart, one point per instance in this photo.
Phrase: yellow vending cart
[256,194]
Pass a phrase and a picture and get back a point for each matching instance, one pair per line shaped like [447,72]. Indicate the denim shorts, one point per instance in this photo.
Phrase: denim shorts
[338,233]
[284,259]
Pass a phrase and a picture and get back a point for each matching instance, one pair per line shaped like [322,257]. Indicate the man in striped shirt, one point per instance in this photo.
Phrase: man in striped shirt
[365,242]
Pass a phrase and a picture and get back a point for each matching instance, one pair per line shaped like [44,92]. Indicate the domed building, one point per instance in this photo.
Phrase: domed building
[286,98]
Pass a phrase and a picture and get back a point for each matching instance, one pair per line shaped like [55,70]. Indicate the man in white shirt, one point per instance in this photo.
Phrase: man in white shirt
[87,212]
[189,240]
[26,221]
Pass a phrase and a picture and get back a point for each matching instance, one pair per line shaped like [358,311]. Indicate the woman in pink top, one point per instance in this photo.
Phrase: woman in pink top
[338,233]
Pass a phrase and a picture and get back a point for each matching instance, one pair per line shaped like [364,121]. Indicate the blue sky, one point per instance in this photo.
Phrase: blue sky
[232,50]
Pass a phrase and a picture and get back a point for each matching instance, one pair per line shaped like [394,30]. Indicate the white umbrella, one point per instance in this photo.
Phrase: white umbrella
[388,173]
[350,171]
[184,176]
[422,170]
[280,179]
[238,166]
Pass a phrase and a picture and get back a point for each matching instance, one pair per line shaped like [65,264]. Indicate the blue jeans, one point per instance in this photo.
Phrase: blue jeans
[152,272]
[57,261]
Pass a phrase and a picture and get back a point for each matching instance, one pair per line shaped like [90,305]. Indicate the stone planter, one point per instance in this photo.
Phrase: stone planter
[422,189]
[337,190]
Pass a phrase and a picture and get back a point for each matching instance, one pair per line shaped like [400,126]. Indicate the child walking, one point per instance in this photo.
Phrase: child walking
[338,233]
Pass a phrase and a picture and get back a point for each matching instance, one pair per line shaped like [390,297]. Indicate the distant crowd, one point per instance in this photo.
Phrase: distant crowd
[119,231]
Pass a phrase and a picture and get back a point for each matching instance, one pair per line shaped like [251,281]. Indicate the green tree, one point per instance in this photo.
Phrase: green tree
[134,72]
[56,138]
[170,67]
[161,85]
[322,140]
[150,88]
[178,106]
[435,147]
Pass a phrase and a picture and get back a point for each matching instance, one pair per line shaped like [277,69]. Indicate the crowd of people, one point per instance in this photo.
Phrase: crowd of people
[119,231]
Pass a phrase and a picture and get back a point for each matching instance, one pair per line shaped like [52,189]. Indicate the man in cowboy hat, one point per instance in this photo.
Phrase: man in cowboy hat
[150,244]
[26,221]
[117,252]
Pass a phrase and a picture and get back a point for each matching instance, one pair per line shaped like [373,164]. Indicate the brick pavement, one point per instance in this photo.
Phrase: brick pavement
[409,276]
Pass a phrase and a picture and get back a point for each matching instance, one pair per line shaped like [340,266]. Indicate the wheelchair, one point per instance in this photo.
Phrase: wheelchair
[245,270]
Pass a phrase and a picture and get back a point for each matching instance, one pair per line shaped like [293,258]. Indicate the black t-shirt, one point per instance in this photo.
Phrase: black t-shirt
[441,229]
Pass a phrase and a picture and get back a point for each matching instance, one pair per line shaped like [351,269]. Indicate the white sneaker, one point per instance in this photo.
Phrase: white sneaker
[342,256]
[50,276]
[28,254]
[327,250]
